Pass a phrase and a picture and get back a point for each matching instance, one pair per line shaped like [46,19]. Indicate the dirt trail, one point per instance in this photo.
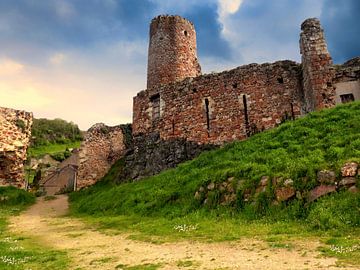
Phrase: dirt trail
[90,249]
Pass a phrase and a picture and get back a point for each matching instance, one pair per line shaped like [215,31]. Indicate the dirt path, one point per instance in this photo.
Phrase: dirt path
[90,249]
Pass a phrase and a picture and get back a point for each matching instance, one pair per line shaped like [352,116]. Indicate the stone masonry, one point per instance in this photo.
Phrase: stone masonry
[181,107]
[218,108]
[172,51]
[318,70]
[101,148]
[15,133]
[231,105]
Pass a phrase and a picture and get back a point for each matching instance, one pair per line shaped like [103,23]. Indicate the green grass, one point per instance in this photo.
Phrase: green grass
[296,150]
[17,253]
[151,209]
[346,249]
[51,149]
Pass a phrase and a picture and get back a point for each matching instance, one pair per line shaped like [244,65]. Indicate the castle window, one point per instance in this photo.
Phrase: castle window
[280,80]
[155,102]
[185,33]
[347,98]
[207,111]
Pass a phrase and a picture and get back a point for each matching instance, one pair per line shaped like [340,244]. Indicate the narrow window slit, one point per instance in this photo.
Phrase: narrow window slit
[207,115]
[247,125]
[292,111]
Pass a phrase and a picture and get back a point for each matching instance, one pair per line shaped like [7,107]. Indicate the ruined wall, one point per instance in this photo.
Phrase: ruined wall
[101,148]
[15,132]
[152,155]
[347,81]
[172,51]
[318,71]
[218,108]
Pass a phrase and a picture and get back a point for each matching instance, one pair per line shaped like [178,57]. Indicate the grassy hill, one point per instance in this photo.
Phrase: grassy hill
[53,137]
[296,150]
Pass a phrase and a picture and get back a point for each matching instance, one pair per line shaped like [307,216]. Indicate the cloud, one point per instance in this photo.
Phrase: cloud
[10,67]
[229,6]
[341,21]
[265,31]
[64,9]
[22,96]
[57,58]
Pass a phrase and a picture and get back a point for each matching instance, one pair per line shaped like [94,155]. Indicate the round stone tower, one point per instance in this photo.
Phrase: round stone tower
[172,51]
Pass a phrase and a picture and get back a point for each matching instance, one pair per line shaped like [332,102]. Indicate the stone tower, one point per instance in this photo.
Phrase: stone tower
[317,66]
[172,51]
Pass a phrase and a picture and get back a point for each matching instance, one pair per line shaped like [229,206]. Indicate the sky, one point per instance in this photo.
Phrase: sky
[84,60]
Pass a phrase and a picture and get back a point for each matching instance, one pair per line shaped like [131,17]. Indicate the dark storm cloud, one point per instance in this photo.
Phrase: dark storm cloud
[208,29]
[39,26]
[341,21]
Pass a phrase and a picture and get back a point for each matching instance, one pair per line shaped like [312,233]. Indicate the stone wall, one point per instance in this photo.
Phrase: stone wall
[347,81]
[15,133]
[222,107]
[172,51]
[318,70]
[152,155]
[101,148]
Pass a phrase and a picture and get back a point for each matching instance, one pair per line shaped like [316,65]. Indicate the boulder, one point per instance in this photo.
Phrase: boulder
[326,177]
[211,186]
[284,193]
[320,191]
[288,183]
[347,181]
[264,181]
[349,169]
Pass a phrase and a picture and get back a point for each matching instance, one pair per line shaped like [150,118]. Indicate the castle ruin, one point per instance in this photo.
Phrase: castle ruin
[186,111]
[182,112]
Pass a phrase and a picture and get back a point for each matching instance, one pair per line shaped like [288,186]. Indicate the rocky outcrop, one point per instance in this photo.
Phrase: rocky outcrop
[15,133]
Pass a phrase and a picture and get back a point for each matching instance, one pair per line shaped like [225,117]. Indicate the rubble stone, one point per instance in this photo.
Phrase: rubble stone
[320,191]
[347,181]
[349,169]
[326,177]
[284,193]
